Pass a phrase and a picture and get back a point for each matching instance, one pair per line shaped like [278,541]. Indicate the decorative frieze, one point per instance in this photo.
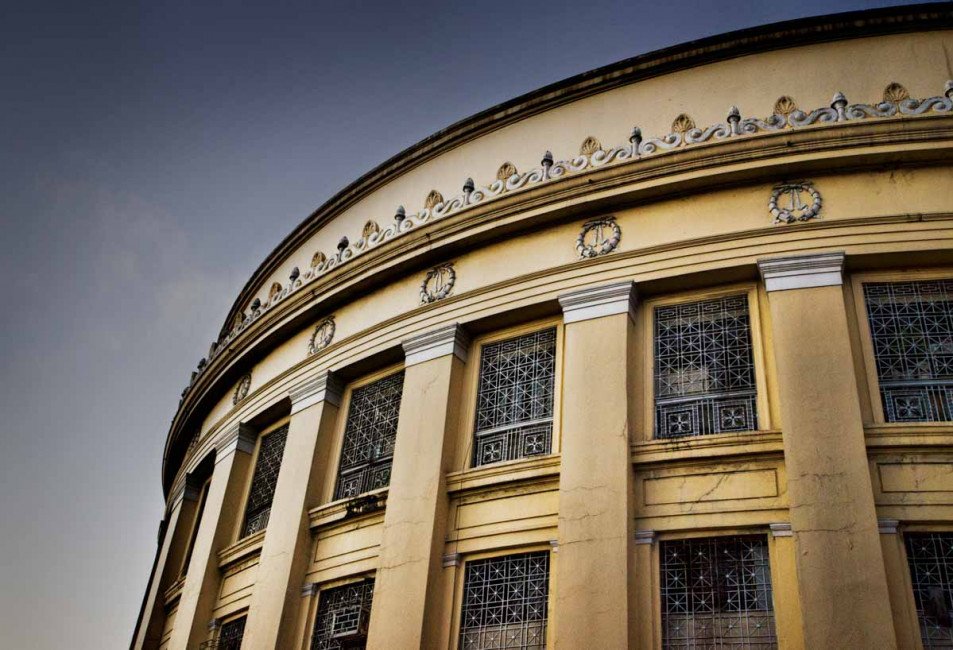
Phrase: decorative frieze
[787,116]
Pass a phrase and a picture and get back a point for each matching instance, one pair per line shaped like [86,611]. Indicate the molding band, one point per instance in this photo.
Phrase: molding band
[450,339]
[325,387]
[802,271]
[596,302]
[782,529]
[241,437]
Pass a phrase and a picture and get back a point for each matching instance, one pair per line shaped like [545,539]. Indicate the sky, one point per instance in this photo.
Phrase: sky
[151,155]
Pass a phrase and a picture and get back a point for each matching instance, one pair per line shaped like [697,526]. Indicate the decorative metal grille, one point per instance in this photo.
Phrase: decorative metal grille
[515,398]
[264,480]
[369,437]
[230,636]
[911,324]
[343,617]
[505,602]
[716,593]
[931,571]
[704,368]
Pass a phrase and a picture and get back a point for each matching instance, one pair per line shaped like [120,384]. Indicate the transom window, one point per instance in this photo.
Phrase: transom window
[931,571]
[369,436]
[716,593]
[911,326]
[514,414]
[264,481]
[505,602]
[343,617]
[704,368]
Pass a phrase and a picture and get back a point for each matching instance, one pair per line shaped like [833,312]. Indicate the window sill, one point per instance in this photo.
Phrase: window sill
[719,445]
[908,434]
[173,592]
[509,471]
[242,549]
[339,511]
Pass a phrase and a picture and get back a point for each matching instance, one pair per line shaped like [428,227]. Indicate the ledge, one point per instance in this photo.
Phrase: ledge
[908,435]
[701,448]
[337,512]
[173,592]
[242,549]
[524,470]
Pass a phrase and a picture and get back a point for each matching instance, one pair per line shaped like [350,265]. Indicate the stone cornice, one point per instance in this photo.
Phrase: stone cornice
[240,437]
[596,302]
[777,36]
[451,339]
[325,387]
[802,271]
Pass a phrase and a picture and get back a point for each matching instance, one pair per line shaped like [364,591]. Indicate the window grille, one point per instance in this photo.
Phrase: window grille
[716,593]
[911,324]
[369,437]
[264,480]
[343,616]
[704,368]
[931,571]
[505,602]
[514,415]
[230,636]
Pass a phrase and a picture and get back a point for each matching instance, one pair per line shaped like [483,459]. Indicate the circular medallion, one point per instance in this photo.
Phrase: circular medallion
[794,202]
[598,237]
[438,284]
[322,336]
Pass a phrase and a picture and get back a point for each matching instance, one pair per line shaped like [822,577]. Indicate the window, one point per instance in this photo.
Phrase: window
[931,571]
[505,602]
[369,436]
[264,480]
[514,413]
[230,636]
[200,508]
[716,592]
[343,617]
[704,372]
[911,328]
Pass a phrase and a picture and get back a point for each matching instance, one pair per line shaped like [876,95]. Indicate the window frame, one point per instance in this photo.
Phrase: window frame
[756,314]
[471,393]
[314,601]
[252,465]
[459,580]
[225,620]
[340,427]
[857,281]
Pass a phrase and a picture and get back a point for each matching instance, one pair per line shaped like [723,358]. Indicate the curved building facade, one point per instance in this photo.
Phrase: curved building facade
[660,356]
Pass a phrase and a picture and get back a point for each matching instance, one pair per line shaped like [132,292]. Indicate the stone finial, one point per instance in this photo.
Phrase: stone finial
[468,185]
[547,160]
[839,100]
[295,274]
[734,115]
[948,89]
[343,244]
[256,304]
[400,215]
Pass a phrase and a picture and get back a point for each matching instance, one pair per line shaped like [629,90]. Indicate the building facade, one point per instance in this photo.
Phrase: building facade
[672,369]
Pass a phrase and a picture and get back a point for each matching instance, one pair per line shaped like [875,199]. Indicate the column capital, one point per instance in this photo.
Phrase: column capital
[241,437]
[453,559]
[782,529]
[645,537]
[449,339]
[596,302]
[888,526]
[802,271]
[309,589]
[324,387]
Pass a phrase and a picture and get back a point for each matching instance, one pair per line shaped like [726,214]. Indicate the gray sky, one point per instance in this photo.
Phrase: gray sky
[151,155]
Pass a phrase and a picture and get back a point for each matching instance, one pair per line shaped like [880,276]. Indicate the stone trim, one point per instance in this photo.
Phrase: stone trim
[554,545]
[325,387]
[596,302]
[782,529]
[803,271]
[452,559]
[240,437]
[888,526]
[309,589]
[450,339]
[645,537]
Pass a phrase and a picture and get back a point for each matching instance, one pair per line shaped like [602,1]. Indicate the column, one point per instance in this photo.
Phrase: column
[787,604]
[646,541]
[840,569]
[222,508]
[168,561]
[902,604]
[285,554]
[409,583]
[595,564]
